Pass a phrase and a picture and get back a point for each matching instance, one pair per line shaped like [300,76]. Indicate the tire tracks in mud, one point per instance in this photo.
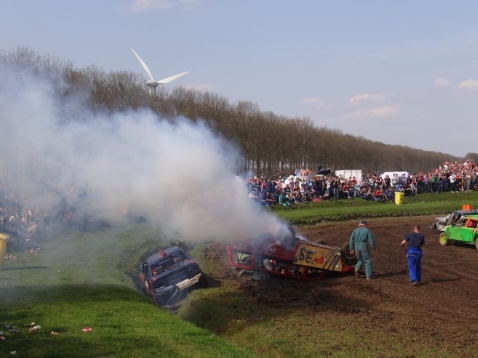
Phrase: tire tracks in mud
[425,299]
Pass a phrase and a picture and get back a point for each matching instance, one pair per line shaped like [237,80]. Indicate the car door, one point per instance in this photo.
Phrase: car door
[455,233]
[467,232]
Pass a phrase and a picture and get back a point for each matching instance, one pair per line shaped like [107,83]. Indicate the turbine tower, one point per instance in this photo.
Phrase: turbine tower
[152,83]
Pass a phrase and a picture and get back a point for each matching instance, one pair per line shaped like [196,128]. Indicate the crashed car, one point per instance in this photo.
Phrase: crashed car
[465,231]
[289,256]
[441,222]
[168,274]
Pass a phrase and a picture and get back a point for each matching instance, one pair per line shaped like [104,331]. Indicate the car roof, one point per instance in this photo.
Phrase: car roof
[464,212]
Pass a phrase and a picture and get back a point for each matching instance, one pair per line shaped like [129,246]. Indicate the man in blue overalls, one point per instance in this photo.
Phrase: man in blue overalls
[414,252]
[358,245]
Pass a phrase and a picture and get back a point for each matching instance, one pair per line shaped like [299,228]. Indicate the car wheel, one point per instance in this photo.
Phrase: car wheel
[443,239]
[348,258]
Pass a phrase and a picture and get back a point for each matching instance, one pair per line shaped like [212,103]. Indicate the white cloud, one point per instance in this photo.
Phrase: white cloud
[382,96]
[144,5]
[441,82]
[385,111]
[468,84]
[203,87]
[313,102]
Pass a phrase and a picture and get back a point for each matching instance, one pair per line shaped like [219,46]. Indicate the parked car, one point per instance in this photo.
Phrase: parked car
[453,217]
[168,274]
[465,231]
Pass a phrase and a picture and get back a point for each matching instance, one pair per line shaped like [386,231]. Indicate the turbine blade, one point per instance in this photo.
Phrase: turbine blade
[143,64]
[172,78]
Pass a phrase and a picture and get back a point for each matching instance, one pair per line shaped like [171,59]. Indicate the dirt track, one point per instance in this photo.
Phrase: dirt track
[440,315]
[446,302]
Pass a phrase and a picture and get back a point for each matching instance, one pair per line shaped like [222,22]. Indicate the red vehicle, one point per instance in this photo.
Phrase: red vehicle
[294,258]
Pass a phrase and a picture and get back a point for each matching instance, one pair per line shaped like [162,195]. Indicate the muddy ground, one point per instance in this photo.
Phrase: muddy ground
[441,314]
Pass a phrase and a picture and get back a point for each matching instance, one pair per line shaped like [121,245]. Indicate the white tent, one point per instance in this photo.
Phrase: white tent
[349,173]
[392,174]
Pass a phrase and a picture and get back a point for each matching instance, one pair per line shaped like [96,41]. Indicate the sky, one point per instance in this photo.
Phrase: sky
[403,72]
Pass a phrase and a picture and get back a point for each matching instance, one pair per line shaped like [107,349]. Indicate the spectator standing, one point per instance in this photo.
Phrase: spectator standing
[415,241]
[426,183]
[433,183]
[452,180]
[279,183]
[468,182]
[360,241]
[335,188]
[387,182]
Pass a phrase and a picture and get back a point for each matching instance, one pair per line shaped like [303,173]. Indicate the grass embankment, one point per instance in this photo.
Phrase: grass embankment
[345,209]
[82,280]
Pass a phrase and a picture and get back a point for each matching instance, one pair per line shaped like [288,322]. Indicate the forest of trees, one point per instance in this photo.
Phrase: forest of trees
[269,143]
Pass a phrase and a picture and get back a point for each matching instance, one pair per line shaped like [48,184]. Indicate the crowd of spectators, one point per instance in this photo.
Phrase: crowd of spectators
[19,219]
[305,187]
[22,221]
[16,219]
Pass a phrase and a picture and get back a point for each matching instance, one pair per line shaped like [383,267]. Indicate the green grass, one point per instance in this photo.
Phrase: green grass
[82,280]
[343,209]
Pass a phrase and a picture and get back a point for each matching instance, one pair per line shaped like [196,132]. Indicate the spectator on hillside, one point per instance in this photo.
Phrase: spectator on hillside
[284,199]
[467,182]
[279,183]
[345,190]
[426,183]
[366,193]
[452,181]
[387,182]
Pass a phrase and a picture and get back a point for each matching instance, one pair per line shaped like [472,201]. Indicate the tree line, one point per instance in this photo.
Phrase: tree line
[270,144]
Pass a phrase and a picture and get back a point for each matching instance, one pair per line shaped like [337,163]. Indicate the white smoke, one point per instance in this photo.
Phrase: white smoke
[176,175]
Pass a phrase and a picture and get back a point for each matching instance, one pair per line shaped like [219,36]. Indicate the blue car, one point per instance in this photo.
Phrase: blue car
[168,274]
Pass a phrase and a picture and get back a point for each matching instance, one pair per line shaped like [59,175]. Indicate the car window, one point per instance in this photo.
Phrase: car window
[472,224]
[178,257]
[161,265]
[454,218]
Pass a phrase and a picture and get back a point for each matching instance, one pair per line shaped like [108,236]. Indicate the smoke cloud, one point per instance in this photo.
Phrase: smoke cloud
[175,175]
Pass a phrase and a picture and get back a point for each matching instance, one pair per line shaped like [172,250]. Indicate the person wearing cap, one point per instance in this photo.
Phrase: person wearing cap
[415,241]
[360,241]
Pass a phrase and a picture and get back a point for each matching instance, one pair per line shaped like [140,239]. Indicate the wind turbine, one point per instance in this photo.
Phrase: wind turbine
[152,83]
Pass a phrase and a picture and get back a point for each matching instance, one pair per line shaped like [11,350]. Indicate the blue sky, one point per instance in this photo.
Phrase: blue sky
[403,72]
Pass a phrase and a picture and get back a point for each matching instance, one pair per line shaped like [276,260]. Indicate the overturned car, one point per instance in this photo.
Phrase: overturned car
[168,274]
[291,257]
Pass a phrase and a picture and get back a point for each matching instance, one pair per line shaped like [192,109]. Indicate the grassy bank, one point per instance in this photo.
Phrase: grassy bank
[345,209]
[79,280]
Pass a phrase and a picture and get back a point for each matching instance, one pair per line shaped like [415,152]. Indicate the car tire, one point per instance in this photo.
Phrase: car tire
[443,239]
[348,258]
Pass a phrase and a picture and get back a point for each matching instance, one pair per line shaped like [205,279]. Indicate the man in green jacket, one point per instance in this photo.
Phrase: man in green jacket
[358,245]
